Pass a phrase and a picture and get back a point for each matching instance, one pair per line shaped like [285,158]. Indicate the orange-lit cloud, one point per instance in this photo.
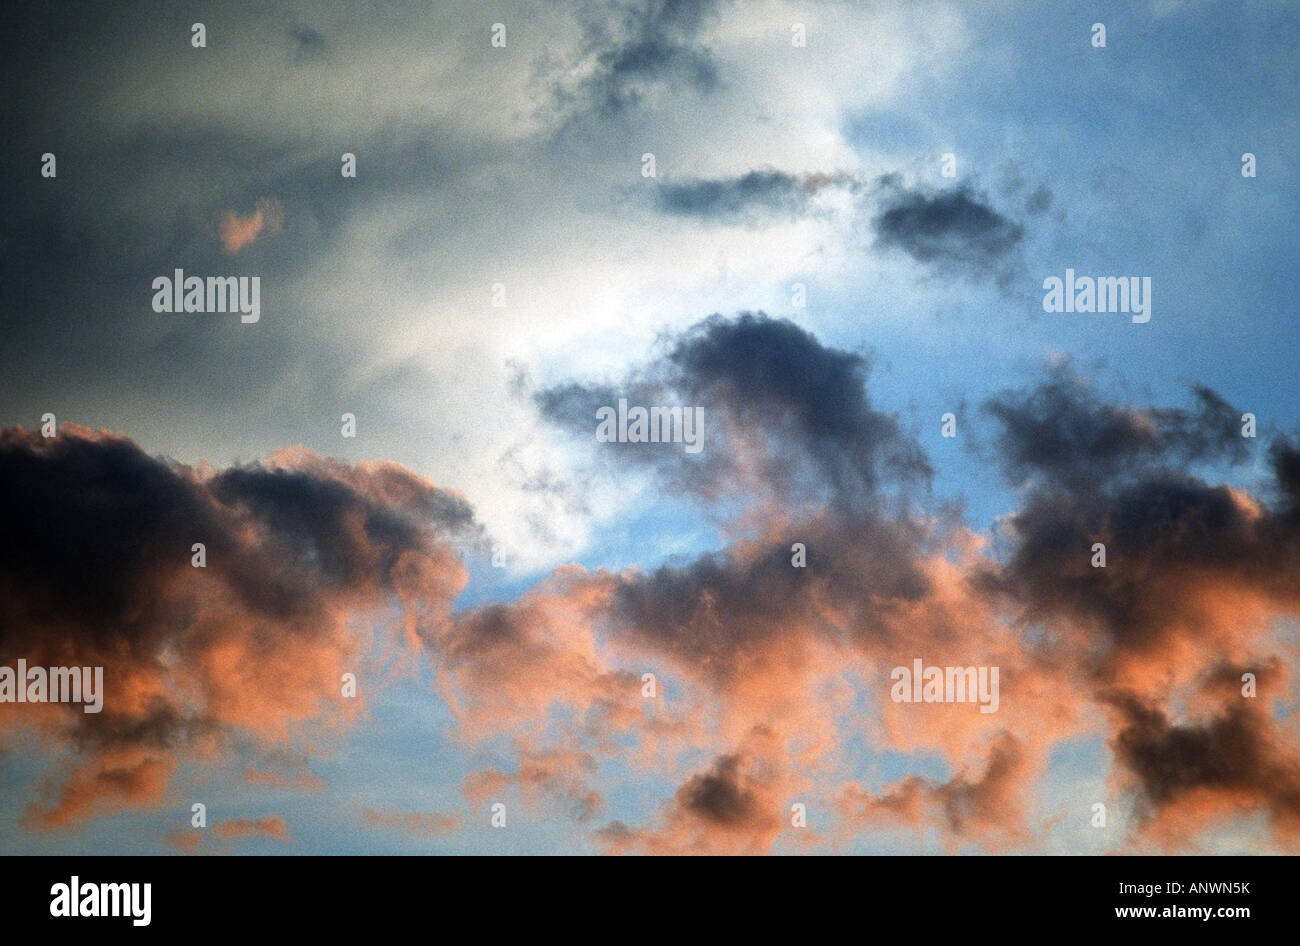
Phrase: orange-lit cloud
[251,646]
[271,827]
[238,231]
[737,683]
[429,824]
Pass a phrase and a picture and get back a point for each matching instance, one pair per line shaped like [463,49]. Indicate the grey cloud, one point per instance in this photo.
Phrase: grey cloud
[1039,201]
[804,404]
[953,230]
[652,41]
[1061,429]
[1238,751]
[755,193]
[308,43]
[1101,473]
[96,539]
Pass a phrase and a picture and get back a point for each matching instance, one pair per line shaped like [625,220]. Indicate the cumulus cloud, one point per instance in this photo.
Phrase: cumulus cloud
[988,806]
[1232,757]
[97,569]
[1061,430]
[782,412]
[1187,559]
[732,807]
[1198,576]
[759,649]
[772,679]
[1199,573]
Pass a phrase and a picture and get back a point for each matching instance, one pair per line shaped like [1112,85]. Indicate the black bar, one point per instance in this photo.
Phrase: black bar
[997,897]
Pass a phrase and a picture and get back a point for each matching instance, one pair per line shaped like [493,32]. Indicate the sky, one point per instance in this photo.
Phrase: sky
[437,612]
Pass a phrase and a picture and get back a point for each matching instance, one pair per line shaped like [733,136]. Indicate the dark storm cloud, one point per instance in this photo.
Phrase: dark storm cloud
[954,230]
[1118,476]
[728,619]
[1196,575]
[723,615]
[720,796]
[117,524]
[109,519]
[732,807]
[1061,430]
[804,405]
[1285,460]
[773,374]
[94,530]
[756,193]
[1234,754]
[1164,535]
[96,569]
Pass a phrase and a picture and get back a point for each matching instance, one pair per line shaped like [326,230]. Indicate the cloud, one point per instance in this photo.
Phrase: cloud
[308,43]
[556,774]
[419,823]
[119,776]
[505,668]
[772,374]
[783,414]
[776,675]
[271,827]
[1231,757]
[1198,576]
[96,570]
[466,166]
[238,232]
[951,231]
[1062,431]
[733,807]
[195,840]
[645,44]
[730,615]
[1189,563]
[750,196]
[988,807]
[760,650]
